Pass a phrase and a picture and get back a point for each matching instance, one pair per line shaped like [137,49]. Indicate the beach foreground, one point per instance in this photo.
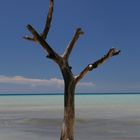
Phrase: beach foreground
[31,126]
[97,121]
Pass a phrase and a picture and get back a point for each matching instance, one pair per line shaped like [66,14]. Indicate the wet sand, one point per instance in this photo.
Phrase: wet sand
[39,125]
[106,117]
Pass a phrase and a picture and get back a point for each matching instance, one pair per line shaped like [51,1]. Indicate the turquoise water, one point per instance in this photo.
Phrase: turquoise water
[98,117]
[128,104]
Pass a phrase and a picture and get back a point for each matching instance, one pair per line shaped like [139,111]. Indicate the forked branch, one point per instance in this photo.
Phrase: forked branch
[72,43]
[51,53]
[111,52]
[47,25]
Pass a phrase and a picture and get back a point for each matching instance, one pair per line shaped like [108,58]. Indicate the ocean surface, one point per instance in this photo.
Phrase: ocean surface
[98,116]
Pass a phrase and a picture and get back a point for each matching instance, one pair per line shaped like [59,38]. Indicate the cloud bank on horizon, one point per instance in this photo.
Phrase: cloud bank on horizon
[26,84]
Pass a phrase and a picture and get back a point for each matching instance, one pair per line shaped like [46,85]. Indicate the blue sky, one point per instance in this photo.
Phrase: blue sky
[106,23]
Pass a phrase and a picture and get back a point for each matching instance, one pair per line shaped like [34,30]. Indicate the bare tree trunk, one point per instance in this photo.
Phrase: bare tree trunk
[67,132]
[70,81]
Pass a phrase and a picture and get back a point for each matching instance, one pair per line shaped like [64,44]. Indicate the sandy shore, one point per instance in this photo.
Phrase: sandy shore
[112,117]
[39,125]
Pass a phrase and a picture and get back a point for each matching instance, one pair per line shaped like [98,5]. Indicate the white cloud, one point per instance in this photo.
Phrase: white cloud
[53,82]
[86,84]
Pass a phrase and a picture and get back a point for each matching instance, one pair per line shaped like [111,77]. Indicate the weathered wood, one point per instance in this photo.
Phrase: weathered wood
[48,21]
[67,132]
[72,43]
[70,81]
[94,65]
[47,24]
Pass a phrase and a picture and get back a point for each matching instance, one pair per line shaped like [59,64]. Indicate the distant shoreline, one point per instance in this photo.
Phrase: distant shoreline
[60,94]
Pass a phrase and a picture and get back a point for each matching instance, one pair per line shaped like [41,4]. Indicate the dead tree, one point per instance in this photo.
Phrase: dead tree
[70,81]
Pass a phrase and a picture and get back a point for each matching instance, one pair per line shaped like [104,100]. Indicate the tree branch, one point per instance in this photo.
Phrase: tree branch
[47,25]
[48,21]
[72,43]
[29,38]
[51,53]
[90,67]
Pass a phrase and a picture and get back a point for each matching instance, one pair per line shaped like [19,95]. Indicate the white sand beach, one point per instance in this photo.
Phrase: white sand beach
[98,118]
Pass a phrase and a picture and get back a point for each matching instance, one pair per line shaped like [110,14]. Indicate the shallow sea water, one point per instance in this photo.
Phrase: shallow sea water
[98,117]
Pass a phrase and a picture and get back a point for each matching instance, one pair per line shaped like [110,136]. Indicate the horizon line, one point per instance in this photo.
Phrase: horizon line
[37,94]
